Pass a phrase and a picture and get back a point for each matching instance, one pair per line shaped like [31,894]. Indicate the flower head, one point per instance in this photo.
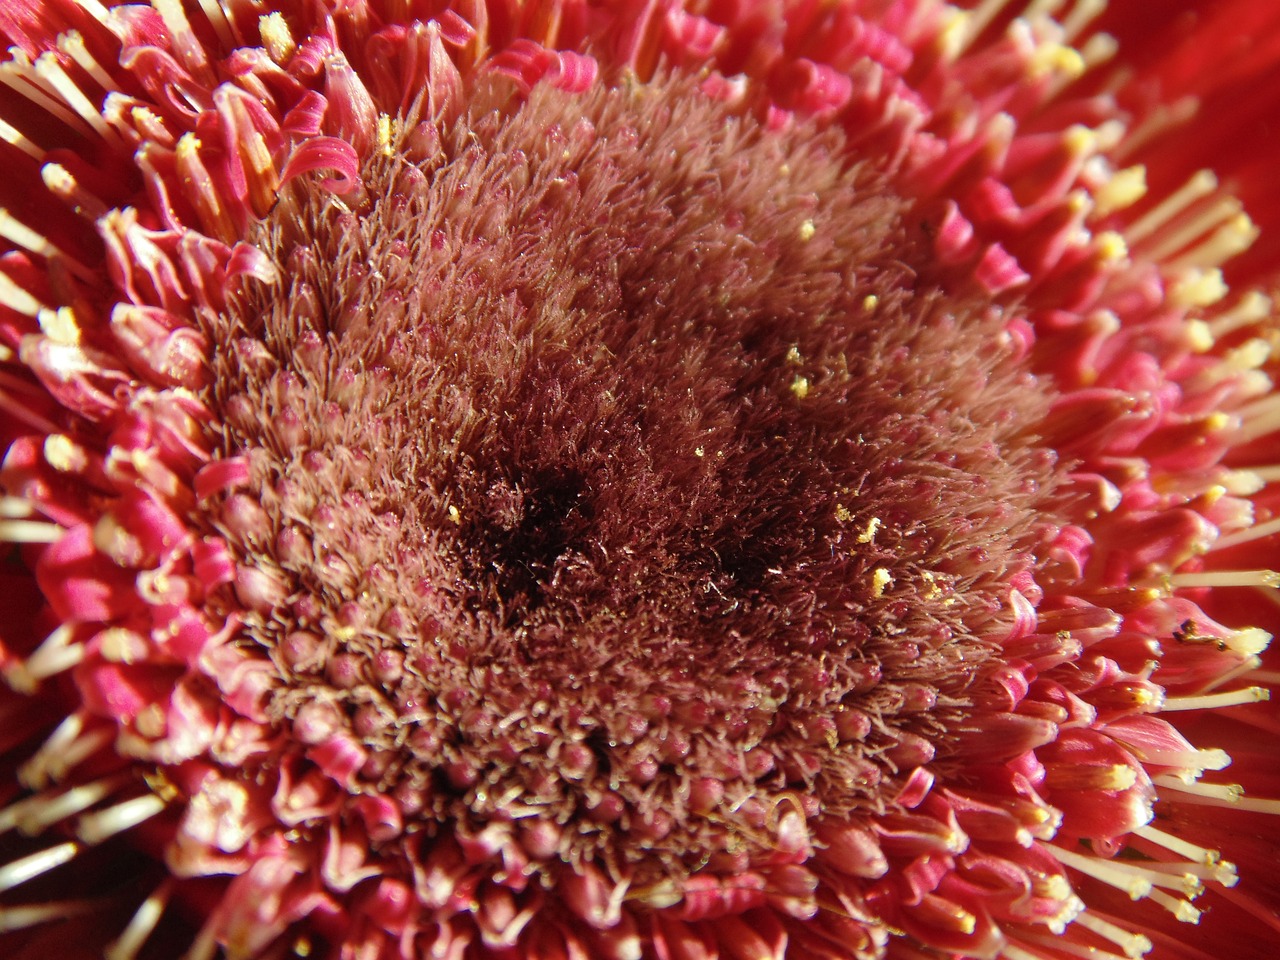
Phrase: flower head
[631,480]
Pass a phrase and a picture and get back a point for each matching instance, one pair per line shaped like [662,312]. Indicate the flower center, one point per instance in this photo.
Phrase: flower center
[618,469]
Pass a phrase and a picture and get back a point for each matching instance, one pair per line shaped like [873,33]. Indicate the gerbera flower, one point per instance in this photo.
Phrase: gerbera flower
[637,480]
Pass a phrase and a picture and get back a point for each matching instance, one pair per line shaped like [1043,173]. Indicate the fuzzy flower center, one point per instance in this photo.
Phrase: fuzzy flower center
[617,468]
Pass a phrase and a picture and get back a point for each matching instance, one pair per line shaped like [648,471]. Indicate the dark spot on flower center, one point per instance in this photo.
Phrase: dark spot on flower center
[620,472]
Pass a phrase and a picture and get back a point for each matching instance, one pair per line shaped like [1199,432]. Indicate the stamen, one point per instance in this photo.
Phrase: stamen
[1247,535]
[36,814]
[18,299]
[265,181]
[1252,307]
[1133,944]
[72,44]
[29,531]
[141,926]
[217,18]
[60,326]
[1258,419]
[205,945]
[20,76]
[1163,118]
[1268,474]
[276,37]
[1221,872]
[28,868]
[1061,63]
[1244,482]
[186,44]
[15,508]
[1224,578]
[1011,951]
[1041,9]
[21,411]
[1196,760]
[1215,701]
[64,186]
[201,189]
[1121,190]
[1217,795]
[66,747]
[1098,49]
[1235,363]
[978,20]
[1081,15]
[1181,909]
[1201,341]
[1194,287]
[1130,876]
[95,827]
[1182,848]
[21,235]
[1201,185]
[12,135]
[1228,241]
[1262,407]
[64,454]
[1246,667]
[50,70]
[152,126]
[1113,873]
[1228,793]
[1073,949]
[32,915]
[56,654]
[1168,242]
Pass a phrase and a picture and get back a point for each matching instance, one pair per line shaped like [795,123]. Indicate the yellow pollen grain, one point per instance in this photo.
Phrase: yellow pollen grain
[1143,698]
[800,387]
[880,578]
[699,451]
[932,590]
[954,34]
[870,302]
[62,453]
[455,515]
[1080,140]
[869,534]
[1125,188]
[842,513]
[1111,246]
[807,230]
[1199,336]
[151,721]
[110,537]
[386,127]
[1198,288]
[1050,58]
[793,355]
[59,325]
[276,37]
